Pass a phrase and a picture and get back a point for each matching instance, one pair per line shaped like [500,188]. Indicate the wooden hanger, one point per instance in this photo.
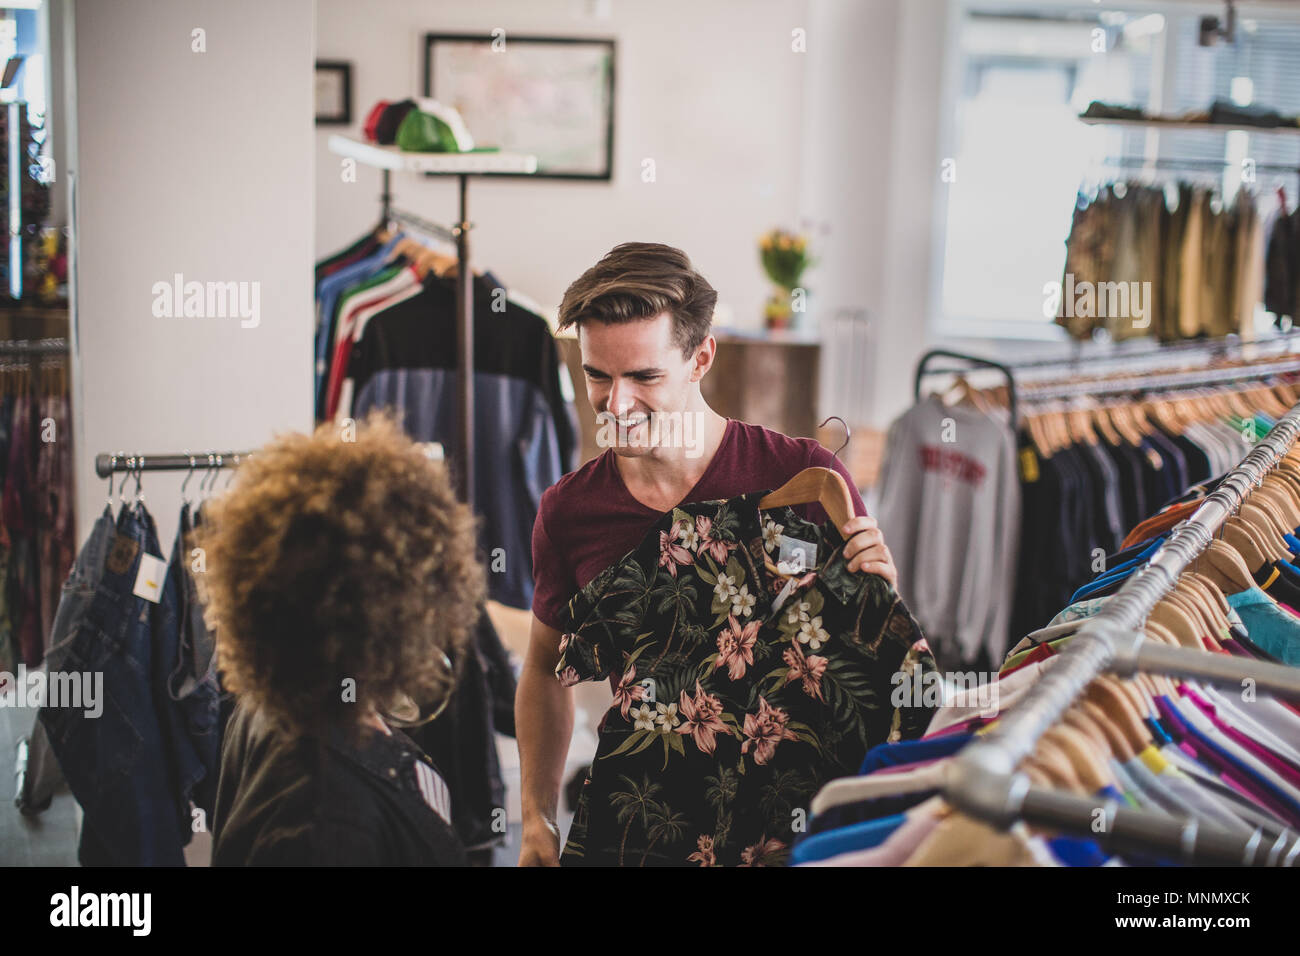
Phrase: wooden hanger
[1211,589]
[1245,542]
[1179,622]
[1287,483]
[1042,768]
[1205,596]
[1120,710]
[1038,435]
[1268,498]
[822,485]
[1221,563]
[1196,602]
[1102,423]
[1268,528]
[1286,493]
[1082,721]
[1118,743]
[1122,418]
[1052,757]
[1091,771]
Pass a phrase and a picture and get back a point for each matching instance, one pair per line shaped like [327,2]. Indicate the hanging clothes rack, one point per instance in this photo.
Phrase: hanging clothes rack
[982,780]
[1019,390]
[107,464]
[388,159]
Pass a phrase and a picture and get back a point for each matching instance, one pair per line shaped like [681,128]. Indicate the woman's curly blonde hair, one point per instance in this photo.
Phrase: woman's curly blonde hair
[337,557]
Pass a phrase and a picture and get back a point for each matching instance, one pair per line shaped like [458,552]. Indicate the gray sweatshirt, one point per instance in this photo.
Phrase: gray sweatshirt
[950,512]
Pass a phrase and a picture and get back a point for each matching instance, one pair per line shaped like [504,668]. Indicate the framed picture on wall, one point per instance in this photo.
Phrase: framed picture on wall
[333,93]
[552,97]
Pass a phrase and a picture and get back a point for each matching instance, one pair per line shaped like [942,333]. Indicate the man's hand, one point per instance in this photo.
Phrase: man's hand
[540,845]
[864,549]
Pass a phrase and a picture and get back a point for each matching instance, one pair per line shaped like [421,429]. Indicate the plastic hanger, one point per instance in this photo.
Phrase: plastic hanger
[847,790]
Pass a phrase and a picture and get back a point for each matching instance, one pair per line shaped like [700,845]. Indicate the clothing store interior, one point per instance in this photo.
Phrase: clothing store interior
[851,433]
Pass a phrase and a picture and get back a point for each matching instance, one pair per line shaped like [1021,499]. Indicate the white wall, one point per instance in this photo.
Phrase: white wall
[711,91]
[197,163]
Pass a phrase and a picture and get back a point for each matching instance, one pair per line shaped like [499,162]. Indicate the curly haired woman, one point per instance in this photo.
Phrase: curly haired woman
[341,575]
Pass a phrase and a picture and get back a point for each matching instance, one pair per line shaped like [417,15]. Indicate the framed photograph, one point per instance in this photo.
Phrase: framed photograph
[333,93]
[552,97]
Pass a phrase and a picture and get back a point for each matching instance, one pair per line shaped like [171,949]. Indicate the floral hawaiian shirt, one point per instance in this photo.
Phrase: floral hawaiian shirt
[745,680]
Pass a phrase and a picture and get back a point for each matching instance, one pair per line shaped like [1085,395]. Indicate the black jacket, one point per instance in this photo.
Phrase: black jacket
[322,801]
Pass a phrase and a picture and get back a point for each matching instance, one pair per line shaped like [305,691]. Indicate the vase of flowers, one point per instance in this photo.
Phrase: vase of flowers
[784,256]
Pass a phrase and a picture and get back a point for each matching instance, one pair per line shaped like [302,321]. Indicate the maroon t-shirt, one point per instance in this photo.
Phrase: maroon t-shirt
[588,520]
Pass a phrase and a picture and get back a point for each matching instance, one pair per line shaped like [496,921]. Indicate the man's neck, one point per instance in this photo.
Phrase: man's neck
[670,473]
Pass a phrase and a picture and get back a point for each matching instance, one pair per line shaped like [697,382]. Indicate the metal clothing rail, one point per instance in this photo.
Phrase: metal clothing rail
[458,234]
[418,223]
[1156,382]
[922,371]
[107,464]
[1189,163]
[1133,351]
[1020,390]
[982,779]
[34,347]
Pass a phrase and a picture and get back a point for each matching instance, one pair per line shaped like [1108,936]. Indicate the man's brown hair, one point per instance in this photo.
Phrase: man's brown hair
[640,280]
[331,560]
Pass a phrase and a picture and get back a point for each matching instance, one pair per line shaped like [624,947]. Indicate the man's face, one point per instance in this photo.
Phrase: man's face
[635,370]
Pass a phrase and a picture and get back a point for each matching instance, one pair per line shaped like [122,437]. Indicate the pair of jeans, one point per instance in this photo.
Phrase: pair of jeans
[43,776]
[115,763]
[185,683]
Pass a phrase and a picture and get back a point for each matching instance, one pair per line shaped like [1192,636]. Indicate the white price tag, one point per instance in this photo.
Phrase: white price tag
[796,556]
[149,579]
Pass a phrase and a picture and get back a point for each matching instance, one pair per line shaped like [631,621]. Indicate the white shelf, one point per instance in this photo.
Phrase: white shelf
[390,157]
[1160,123]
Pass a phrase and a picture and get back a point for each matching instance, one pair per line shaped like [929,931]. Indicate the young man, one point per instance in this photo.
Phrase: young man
[643,316]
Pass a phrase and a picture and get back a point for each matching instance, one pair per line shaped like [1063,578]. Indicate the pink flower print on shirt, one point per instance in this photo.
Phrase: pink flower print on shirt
[704,855]
[703,719]
[736,647]
[671,551]
[627,691]
[764,730]
[708,544]
[761,852]
[808,669]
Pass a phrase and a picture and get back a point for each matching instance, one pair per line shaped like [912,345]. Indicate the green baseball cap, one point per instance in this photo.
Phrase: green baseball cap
[433,127]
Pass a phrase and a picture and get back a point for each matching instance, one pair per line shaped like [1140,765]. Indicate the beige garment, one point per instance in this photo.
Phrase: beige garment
[1250,265]
[1191,267]
[964,841]
[1214,263]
